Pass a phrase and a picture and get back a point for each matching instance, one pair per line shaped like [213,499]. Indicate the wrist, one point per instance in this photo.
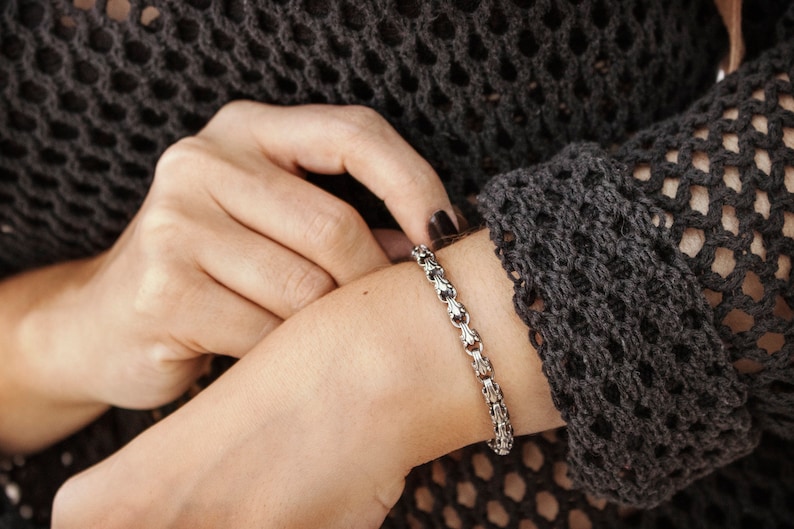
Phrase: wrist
[484,287]
[46,333]
[429,394]
[379,357]
[39,397]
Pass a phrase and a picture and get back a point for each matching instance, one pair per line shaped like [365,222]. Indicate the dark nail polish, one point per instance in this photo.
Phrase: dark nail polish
[441,229]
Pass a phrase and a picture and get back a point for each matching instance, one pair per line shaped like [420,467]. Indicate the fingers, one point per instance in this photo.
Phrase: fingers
[336,139]
[297,215]
[261,270]
[217,320]
[278,242]
[175,298]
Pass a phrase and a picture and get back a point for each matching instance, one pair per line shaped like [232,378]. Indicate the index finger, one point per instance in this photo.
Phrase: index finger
[329,139]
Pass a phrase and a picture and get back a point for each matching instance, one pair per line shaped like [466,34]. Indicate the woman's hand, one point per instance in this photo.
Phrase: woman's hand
[318,425]
[230,241]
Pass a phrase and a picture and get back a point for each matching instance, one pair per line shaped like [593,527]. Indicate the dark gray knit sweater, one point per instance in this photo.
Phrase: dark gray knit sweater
[668,367]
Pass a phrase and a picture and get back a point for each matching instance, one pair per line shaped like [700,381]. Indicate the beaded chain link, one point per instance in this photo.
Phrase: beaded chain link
[472,345]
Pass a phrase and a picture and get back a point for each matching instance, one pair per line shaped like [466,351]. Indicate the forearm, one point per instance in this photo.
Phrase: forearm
[38,404]
[335,406]
[449,406]
[398,336]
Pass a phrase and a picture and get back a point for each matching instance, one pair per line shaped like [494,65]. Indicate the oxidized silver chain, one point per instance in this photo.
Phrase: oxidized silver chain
[472,345]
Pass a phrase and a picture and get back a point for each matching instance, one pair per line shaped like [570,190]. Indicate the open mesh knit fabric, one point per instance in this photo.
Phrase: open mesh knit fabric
[670,390]
[90,102]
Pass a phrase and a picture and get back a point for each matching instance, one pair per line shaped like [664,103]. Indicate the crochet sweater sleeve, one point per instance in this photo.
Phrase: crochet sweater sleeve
[657,388]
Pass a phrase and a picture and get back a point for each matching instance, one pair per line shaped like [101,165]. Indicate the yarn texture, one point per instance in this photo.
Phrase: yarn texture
[643,212]
[635,364]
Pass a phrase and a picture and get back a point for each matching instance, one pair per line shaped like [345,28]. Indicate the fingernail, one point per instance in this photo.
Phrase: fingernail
[441,229]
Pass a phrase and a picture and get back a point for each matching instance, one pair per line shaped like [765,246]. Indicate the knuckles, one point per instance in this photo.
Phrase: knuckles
[359,117]
[156,286]
[183,152]
[305,284]
[336,227]
[164,233]
[161,232]
[354,124]
[161,239]
[232,116]
[235,111]
[181,161]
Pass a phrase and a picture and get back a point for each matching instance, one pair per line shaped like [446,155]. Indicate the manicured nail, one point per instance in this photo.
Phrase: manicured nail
[441,229]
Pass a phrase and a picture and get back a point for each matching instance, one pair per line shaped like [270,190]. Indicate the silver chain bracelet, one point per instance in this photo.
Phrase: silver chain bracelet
[472,345]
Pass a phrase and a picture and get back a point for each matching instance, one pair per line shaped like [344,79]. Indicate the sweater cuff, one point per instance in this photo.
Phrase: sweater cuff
[626,338]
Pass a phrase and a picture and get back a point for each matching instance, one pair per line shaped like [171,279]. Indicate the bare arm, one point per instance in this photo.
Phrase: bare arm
[230,241]
[374,364]
[39,403]
[336,406]
[368,382]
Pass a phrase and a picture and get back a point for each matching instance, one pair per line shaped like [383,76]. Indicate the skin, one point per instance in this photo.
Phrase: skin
[372,364]
[320,423]
[230,241]
[286,437]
